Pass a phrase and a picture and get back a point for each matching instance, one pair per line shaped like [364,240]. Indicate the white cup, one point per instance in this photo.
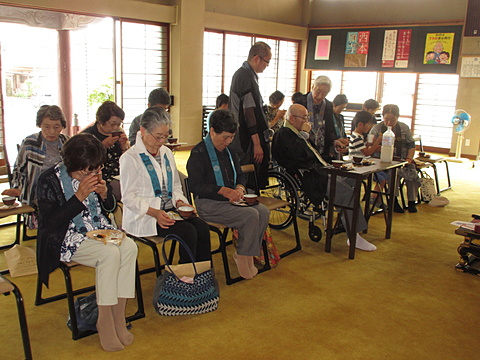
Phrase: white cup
[370,138]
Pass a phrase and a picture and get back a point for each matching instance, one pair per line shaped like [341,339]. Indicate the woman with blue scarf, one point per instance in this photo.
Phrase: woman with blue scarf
[216,179]
[152,190]
[72,201]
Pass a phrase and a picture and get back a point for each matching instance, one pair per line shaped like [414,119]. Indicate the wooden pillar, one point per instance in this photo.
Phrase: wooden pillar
[65,78]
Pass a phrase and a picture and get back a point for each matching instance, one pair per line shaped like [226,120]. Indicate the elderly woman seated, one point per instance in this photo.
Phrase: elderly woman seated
[71,200]
[152,191]
[108,129]
[217,181]
[37,153]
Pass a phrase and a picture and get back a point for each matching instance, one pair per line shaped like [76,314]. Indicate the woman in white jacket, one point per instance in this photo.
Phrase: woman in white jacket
[151,189]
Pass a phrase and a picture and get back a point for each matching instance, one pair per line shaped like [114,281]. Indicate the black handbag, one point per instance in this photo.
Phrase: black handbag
[173,296]
[86,310]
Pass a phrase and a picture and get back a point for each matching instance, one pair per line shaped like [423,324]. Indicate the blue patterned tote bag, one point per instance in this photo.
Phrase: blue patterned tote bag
[185,289]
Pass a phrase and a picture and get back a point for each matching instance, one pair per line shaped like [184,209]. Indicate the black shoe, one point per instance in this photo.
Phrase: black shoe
[412,207]
[397,208]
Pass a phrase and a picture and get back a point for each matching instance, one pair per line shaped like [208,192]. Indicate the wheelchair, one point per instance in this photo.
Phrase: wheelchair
[288,187]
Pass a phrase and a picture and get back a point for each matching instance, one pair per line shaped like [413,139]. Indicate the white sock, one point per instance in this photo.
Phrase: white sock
[363,244]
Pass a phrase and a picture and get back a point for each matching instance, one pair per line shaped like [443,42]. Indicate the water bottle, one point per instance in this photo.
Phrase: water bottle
[388,142]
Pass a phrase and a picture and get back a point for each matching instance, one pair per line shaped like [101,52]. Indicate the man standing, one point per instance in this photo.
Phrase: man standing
[321,118]
[157,97]
[246,104]
[293,150]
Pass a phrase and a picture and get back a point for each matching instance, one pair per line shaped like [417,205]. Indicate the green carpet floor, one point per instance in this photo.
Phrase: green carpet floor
[403,301]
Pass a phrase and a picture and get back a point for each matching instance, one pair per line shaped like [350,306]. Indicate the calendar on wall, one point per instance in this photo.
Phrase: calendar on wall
[470,66]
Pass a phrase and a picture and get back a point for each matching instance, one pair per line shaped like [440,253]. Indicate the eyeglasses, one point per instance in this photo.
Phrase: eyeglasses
[267,61]
[93,172]
[305,117]
[161,137]
[115,124]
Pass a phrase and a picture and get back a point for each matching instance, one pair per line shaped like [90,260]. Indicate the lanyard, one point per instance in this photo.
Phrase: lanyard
[92,203]
[215,163]
[157,189]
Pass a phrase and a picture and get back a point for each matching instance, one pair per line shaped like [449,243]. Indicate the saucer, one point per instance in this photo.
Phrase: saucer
[8,207]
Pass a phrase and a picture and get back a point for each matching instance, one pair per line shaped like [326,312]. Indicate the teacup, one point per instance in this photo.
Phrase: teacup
[337,163]
[117,133]
[185,211]
[172,140]
[250,199]
[8,200]
[357,159]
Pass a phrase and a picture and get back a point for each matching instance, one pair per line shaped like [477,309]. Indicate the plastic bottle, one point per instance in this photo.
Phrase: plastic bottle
[388,142]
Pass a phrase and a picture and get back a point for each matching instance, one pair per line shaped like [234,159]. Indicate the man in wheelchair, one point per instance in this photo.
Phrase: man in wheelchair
[292,149]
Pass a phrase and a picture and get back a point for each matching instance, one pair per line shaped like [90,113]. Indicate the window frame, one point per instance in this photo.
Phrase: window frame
[379,95]
[254,38]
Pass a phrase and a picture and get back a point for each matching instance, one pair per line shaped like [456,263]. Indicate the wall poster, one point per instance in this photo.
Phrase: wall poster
[438,48]
[389,47]
[470,66]
[322,47]
[356,50]
[403,48]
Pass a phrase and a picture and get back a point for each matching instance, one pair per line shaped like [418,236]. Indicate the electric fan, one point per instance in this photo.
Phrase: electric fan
[460,120]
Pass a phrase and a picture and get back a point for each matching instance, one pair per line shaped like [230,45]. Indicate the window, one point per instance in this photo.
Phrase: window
[124,64]
[436,100]
[225,52]
[426,101]
[142,65]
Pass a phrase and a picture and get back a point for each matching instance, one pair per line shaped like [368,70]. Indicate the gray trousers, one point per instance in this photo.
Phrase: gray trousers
[114,268]
[250,221]
[344,196]
[412,181]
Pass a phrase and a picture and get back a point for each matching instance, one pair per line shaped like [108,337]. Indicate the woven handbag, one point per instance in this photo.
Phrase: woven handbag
[174,296]
[427,187]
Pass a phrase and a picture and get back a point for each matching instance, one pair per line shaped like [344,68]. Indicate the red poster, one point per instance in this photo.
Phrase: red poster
[403,48]
[363,39]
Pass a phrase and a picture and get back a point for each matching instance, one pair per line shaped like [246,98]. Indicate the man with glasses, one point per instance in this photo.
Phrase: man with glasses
[292,148]
[246,103]
[322,134]
[158,97]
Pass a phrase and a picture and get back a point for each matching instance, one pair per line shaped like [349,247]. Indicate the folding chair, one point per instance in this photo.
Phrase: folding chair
[273,204]
[222,231]
[5,288]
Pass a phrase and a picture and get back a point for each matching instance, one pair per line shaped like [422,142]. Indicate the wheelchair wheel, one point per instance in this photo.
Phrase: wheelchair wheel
[281,186]
[314,232]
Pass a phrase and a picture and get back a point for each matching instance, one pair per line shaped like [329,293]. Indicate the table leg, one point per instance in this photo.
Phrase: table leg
[331,199]
[368,193]
[352,234]
[391,200]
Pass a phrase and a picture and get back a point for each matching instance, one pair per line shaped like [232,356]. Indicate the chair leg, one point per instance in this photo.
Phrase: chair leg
[23,323]
[140,313]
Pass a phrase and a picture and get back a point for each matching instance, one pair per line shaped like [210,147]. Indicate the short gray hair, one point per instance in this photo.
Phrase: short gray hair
[153,117]
[322,80]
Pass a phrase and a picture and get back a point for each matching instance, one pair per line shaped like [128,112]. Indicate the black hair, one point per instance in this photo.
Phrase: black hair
[391,109]
[51,111]
[297,98]
[340,99]
[223,120]
[221,99]
[83,152]
[260,48]
[159,96]
[107,110]
[276,97]
[371,104]
[363,117]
